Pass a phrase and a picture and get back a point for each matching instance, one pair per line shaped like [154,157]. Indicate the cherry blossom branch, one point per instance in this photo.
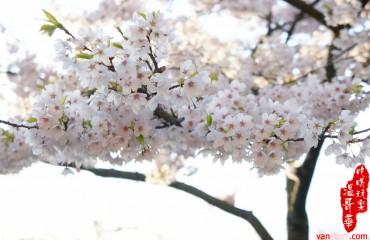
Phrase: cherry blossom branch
[169,118]
[246,215]
[8,72]
[331,63]
[334,61]
[19,125]
[362,131]
[148,64]
[355,133]
[68,33]
[308,9]
[297,19]
[176,86]
[269,32]
[71,35]
[151,55]
[314,13]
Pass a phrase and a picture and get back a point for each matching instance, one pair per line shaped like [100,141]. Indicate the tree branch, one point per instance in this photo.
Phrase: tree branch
[355,133]
[8,72]
[362,131]
[297,19]
[18,125]
[152,57]
[169,118]
[246,215]
[314,13]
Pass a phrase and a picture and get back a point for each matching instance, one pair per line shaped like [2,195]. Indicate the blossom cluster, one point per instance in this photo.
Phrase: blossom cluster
[16,154]
[118,100]
[342,12]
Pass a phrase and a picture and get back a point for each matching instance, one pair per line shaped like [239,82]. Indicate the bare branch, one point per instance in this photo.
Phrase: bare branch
[355,133]
[314,13]
[151,55]
[18,125]
[362,131]
[297,19]
[169,118]
[68,33]
[9,72]
[335,60]
[246,215]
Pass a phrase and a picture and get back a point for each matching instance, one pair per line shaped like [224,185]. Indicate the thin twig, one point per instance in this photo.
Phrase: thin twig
[67,32]
[9,72]
[355,133]
[151,55]
[321,67]
[18,125]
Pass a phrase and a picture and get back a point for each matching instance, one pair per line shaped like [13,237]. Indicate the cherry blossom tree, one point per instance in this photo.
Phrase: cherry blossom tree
[160,88]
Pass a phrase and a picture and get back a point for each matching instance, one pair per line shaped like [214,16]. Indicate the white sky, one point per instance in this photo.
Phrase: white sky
[39,203]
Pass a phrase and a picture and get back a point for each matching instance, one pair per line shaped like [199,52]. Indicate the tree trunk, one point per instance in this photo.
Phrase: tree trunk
[297,189]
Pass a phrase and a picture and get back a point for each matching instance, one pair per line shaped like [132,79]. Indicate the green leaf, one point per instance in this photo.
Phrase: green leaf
[119,30]
[60,26]
[47,28]
[209,120]
[9,137]
[142,14]
[352,131]
[50,17]
[63,120]
[213,76]
[280,123]
[90,92]
[331,124]
[117,45]
[285,149]
[140,139]
[193,75]
[31,120]
[356,89]
[132,125]
[181,81]
[84,55]
[113,84]
[60,120]
[87,123]
[63,100]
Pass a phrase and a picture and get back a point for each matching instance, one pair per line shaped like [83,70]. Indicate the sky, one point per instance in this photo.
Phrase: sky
[40,203]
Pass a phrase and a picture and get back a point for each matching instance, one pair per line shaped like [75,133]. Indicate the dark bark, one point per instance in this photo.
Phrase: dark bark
[297,190]
[246,215]
[18,125]
[315,14]
[363,3]
[297,19]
